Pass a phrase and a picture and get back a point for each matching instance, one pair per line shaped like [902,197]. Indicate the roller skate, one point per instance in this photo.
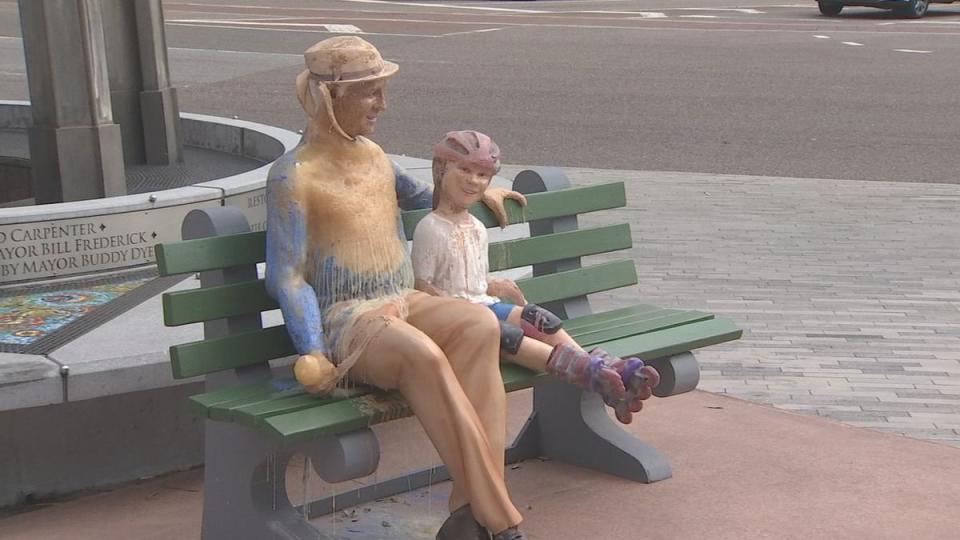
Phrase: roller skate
[638,381]
[587,371]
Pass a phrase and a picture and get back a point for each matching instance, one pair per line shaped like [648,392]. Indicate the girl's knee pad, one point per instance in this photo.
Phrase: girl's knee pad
[510,337]
[538,322]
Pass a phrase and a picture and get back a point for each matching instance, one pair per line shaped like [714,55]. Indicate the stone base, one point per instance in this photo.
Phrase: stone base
[15,179]
[76,163]
[58,449]
[163,142]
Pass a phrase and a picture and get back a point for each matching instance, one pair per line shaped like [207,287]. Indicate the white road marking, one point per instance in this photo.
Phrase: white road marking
[912,51]
[230,23]
[234,27]
[417,4]
[471,32]
[698,16]
[852,43]
[291,56]
[343,29]
[506,24]
[642,14]
[738,10]
[821,37]
[333,28]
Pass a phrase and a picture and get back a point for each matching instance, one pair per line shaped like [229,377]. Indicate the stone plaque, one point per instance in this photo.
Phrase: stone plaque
[46,249]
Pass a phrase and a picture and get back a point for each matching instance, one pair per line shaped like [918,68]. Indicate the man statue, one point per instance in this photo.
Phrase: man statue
[338,265]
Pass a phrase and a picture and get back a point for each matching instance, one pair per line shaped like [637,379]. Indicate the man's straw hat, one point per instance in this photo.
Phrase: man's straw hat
[347,59]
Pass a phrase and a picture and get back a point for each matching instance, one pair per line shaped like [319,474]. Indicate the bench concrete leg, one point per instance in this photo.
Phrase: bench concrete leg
[244,491]
[678,374]
[572,426]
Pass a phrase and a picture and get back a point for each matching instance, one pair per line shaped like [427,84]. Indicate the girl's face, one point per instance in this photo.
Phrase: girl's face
[464,184]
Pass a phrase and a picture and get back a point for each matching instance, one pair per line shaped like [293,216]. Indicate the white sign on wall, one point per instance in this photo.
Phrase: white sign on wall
[46,249]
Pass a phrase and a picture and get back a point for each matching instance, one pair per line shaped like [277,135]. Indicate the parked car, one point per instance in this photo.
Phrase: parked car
[913,9]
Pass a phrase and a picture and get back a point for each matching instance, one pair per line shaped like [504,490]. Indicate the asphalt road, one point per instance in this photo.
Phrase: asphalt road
[767,87]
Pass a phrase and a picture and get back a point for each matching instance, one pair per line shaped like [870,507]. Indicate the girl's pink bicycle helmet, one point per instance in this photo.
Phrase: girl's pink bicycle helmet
[470,147]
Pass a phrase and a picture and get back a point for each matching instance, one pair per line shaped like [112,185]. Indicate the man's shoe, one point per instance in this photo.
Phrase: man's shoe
[513,533]
[461,525]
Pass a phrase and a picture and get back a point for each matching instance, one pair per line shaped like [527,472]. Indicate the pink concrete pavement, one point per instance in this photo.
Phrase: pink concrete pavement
[741,471]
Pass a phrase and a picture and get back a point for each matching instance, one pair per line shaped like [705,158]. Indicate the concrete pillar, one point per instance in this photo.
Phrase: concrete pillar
[163,142]
[143,101]
[123,69]
[75,146]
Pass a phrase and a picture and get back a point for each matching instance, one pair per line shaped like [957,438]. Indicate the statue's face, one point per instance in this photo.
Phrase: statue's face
[464,184]
[360,105]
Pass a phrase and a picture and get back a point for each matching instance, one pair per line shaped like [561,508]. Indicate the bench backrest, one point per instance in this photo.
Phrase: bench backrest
[558,275]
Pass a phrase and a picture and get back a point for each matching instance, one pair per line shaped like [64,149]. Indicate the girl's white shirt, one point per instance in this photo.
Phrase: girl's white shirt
[453,257]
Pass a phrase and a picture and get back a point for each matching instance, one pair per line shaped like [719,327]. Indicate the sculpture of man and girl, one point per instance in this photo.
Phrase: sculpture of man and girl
[434,327]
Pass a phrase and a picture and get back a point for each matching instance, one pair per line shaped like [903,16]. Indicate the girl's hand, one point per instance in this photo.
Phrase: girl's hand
[506,289]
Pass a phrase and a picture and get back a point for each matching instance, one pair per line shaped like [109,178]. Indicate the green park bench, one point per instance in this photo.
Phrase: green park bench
[258,417]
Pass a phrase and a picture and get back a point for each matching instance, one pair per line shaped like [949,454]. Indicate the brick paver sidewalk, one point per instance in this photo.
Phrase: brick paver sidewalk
[848,291]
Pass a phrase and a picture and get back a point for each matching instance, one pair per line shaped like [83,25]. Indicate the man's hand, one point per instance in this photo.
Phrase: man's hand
[316,373]
[493,197]
[506,289]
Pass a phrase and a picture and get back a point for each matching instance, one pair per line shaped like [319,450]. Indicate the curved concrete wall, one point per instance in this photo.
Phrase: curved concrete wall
[54,240]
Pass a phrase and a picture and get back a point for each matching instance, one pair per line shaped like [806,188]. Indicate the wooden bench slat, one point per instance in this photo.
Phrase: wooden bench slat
[552,247]
[361,412]
[252,411]
[335,418]
[516,377]
[252,404]
[299,417]
[211,303]
[545,205]
[273,396]
[349,415]
[675,340]
[230,352]
[249,248]
[604,319]
[202,403]
[211,253]
[582,281]
[630,328]
[223,411]
[244,349]
[198,305]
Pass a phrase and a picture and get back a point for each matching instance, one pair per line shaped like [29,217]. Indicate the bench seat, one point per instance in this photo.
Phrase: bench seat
[280,408]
